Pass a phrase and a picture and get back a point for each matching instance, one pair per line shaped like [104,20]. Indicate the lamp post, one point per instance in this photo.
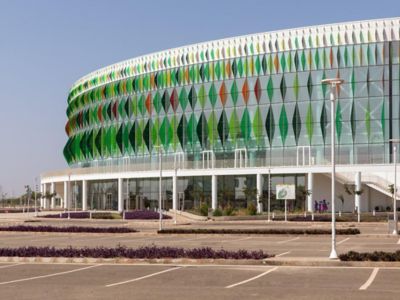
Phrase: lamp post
[160,186]
[36,191]
[334,84]
[395,229]
[269,194]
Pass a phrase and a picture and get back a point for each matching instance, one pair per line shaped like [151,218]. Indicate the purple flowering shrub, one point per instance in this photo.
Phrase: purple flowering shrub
[68,229]
[149,252]
[144,215]
[370,256]
[72,215]
[346,231]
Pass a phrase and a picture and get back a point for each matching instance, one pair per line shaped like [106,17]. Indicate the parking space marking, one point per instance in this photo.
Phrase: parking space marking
[282,254]
[237,240]
[342,241]
[143,277]
[252,278]
[290,240]
[9,266]
[370,279]
[191,239]
[49,275]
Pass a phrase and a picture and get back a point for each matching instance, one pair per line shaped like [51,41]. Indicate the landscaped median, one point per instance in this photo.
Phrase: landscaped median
[371,256]
[72,229]
[121,252]
[126,215]
[345,231]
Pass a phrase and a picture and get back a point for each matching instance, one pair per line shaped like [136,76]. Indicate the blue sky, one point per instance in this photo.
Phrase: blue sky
[47,45]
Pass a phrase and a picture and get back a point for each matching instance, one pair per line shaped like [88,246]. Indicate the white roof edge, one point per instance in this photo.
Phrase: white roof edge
[281,32]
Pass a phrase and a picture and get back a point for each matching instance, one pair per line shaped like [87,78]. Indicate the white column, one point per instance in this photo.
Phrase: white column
[45,206]
[259,193]
[214,192]
[41,198]
[357,198]
[310,184]
[174,192]
[66,195]
[84,194]
[53,199]
[120,195]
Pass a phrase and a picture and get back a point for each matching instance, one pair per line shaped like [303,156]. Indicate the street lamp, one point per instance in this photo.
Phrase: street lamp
[395,141]
[334,84]
[36,191]
[160,185]
[269,194]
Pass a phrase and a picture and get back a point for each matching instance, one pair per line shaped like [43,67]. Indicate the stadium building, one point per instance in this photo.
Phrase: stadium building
[223,122]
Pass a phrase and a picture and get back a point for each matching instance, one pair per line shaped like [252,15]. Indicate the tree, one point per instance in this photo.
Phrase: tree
[350,189]
[304,193]
[341,198]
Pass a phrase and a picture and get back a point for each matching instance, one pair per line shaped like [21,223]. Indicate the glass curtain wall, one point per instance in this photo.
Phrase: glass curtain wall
[103,195]
[193,191]
[143,193]
[236,191]
[279,205]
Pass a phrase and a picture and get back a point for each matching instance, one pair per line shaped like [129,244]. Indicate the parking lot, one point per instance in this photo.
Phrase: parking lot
[280,245]
[96,281]
[119,281]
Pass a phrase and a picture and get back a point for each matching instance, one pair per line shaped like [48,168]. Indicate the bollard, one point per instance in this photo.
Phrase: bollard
[340,213]
[312,216]
[374,212]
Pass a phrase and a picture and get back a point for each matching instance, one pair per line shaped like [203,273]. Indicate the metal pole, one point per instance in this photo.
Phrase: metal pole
[333,254]
[269,195]
[160,187]
[36,191]
[285,210]
[334,84]
[395,229]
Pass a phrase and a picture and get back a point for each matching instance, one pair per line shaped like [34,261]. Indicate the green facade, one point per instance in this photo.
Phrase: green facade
[270,103]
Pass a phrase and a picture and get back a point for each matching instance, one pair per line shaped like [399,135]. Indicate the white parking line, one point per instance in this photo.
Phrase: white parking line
[192,239]
[143,277]
[286,241]
[49,275]
[9,266]
[282,254]
[236,240]
[251,279]
[342,241]
[370,279]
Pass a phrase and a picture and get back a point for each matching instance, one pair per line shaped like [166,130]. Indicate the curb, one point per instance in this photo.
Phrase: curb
[132,261]
[329,263]
[187,261]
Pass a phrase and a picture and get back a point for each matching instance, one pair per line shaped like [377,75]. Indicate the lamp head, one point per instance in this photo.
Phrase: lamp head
[332,81]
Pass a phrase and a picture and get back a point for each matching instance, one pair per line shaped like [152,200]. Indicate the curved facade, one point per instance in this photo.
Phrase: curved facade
[260,92]
[253,101]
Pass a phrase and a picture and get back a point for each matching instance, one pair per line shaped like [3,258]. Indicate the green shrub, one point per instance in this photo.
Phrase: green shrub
[203,209]
[229,210]
[105,215]
[251,209]
[217,212]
